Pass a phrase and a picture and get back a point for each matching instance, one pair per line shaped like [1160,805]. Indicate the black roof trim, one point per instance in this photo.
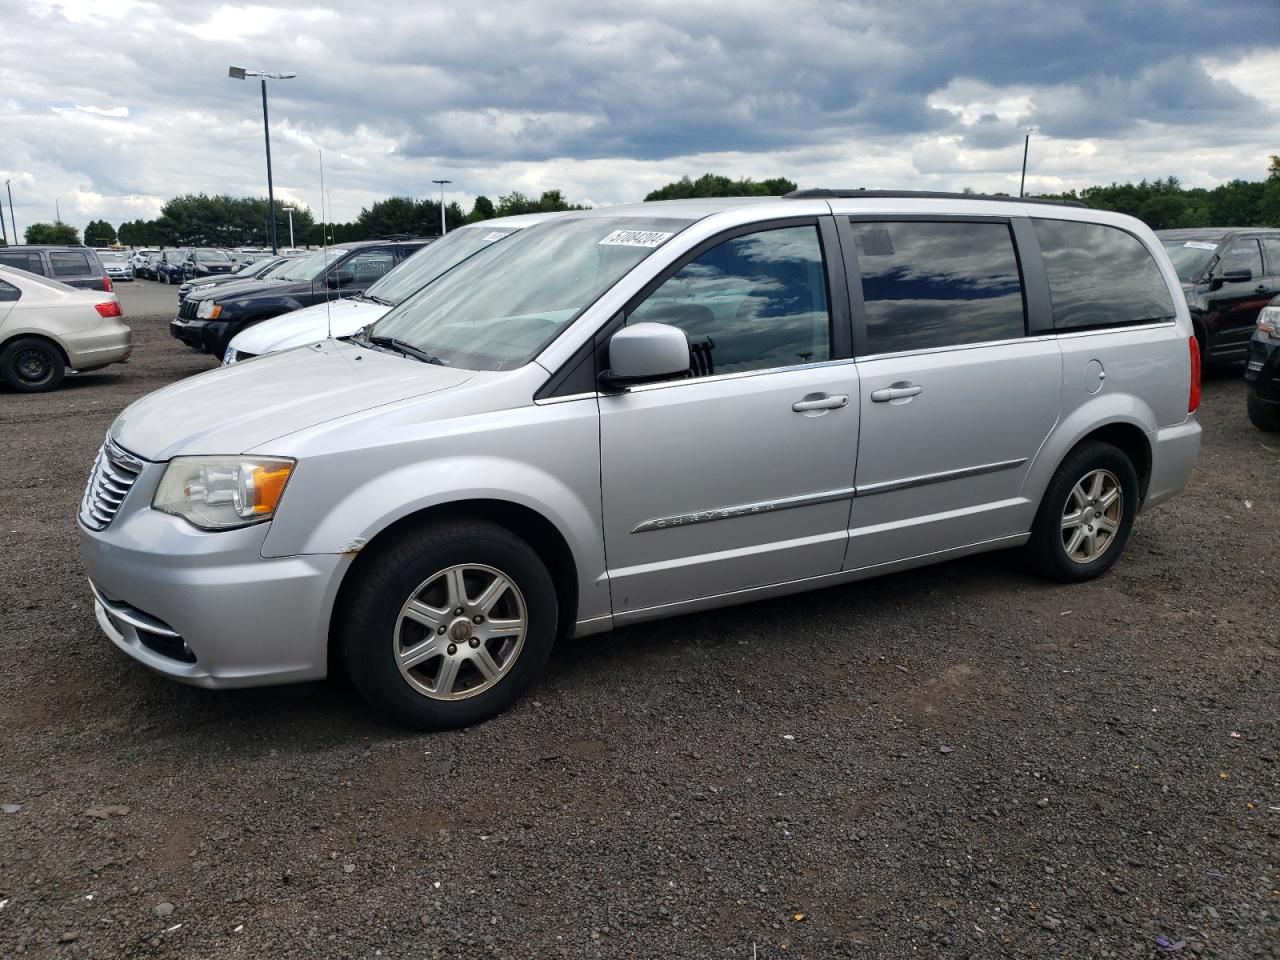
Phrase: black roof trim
[824,193]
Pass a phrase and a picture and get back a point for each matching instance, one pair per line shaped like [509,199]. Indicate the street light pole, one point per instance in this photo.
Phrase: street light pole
[4,231]
[289,210]
[240,73]
[12,221]
[1026,145]
[442,183]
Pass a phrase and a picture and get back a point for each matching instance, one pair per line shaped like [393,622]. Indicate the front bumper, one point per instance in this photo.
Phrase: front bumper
[1262,372]
[207,608]
[208,336]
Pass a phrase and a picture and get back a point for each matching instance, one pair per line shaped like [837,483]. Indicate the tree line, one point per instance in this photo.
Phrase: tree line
[223,221]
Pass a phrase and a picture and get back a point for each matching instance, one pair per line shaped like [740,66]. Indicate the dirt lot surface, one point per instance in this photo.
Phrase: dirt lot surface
[961,761]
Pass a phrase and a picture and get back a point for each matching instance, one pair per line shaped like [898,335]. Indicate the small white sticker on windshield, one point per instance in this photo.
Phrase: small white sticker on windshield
[1200,245]
[635,238]
[496,235]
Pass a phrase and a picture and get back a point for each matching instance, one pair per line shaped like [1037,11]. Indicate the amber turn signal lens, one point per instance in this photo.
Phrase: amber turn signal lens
[268,485]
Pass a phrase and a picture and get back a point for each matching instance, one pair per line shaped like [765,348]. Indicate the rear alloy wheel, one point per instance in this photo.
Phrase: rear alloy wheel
[448,624]
[31,365]
[1086,514]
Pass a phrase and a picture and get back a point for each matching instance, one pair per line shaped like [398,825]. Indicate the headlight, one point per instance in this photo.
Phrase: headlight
[229,357]
[208,310]
[1269,322]
[221,493]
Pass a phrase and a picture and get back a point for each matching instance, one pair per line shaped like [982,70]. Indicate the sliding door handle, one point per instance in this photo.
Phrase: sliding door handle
[821,402]
[897,391]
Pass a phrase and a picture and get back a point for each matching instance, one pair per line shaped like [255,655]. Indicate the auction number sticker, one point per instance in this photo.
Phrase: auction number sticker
[635,238]
[496,235]
[1200,245]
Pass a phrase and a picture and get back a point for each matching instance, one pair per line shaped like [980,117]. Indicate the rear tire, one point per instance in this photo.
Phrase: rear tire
[31,365]
[1086,514]
[410,651]
[1264,416]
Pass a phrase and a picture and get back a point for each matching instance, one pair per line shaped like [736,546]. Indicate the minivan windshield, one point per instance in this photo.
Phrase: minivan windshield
[1190,257]
[310,267]
[434,260]
[497,310]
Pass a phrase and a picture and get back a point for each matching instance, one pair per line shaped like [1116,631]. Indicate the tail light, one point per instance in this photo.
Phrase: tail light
[1193,399]
[106,283]
[109,309]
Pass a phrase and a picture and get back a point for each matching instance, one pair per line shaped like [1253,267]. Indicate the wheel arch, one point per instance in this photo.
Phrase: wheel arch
[543,537]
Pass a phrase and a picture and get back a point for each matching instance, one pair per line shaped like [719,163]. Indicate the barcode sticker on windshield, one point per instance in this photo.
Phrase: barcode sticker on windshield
[1200,245]
[635,238]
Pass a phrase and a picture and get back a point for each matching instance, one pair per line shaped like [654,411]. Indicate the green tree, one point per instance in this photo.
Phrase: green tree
[715,185]
[99,233]
[56,232]
[482,209]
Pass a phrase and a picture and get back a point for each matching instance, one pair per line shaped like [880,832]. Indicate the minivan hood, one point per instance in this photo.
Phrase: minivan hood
[340,318]
[233,409]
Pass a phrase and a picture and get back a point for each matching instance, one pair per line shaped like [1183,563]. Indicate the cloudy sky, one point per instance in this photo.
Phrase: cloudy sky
[109,108]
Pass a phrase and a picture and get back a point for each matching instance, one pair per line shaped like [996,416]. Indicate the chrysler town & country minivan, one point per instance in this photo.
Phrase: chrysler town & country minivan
[633,412]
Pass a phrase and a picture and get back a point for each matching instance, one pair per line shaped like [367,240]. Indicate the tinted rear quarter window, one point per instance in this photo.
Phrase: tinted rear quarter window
[1100,276]
[29,262]
[938,284]
[69,264]
[1271,247]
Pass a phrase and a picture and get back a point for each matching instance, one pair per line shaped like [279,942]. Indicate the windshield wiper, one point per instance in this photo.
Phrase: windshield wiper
[377,300]
[408,349]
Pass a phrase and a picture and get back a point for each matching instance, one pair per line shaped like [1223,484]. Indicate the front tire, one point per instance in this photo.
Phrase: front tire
[1086,514]
[448,625]
[31,365]
[1264,416]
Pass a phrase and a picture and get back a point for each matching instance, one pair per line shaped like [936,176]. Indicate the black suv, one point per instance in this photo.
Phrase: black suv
[1228,274]
[1262,372]
[75,266]
[207,320]
[206,262]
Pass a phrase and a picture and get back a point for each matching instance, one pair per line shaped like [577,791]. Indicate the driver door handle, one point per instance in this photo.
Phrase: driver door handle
[899,391]
[824,402]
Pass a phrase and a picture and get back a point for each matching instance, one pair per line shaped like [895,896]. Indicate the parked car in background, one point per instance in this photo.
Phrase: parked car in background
[242,259]
[1262,370]
[117,265]
[48,327]
[151,266]
[640,411]
[75,266]
[258,269]
[171,267]
[208,321]
[204,262]
[344,317]
[1228,275]
[139,260]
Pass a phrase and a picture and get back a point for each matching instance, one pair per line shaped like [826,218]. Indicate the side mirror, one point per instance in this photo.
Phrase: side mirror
[1243,275]
[646,352]
[340,278]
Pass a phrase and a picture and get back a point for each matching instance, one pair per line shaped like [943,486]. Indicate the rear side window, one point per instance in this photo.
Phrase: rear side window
[938,284]
[8,292]
[1100,276]
[69,264]
[29,262]
[1272,248]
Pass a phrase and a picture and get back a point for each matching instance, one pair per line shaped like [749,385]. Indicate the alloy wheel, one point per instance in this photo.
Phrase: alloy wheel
[460,631]
[1091,516]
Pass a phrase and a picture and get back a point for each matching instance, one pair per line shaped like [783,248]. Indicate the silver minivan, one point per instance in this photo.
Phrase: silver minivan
[639,411]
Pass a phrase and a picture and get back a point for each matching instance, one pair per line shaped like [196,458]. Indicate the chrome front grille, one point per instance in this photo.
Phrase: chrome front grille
[113,475]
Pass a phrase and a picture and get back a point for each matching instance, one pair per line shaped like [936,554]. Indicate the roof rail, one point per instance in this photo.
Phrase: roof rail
[862,192]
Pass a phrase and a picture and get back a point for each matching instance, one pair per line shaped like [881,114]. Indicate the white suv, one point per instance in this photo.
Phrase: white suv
[634,412]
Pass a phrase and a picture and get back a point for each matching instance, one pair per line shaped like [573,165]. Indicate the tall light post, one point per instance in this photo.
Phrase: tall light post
[12,221]
[240,73]
[1026,145]
[289,210]
[442,183]
[4,230]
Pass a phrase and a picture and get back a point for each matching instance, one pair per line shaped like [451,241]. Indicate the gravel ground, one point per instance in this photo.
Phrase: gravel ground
[960,761]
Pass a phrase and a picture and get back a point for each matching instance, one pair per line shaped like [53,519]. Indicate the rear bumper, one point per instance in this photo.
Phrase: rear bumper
[109,342]
[1173,457]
